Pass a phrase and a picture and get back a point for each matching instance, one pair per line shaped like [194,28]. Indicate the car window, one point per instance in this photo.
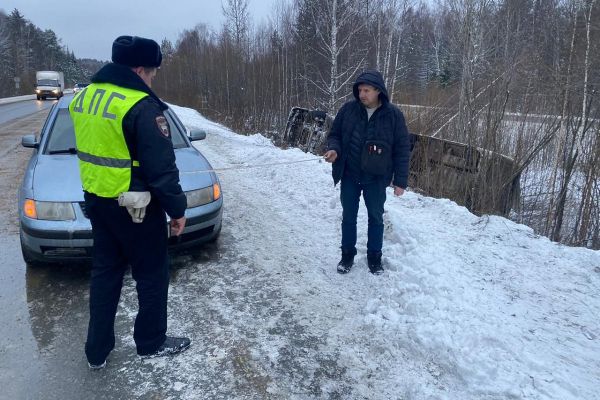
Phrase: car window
[46,123]
[48,82]
[62,135]
[176,133]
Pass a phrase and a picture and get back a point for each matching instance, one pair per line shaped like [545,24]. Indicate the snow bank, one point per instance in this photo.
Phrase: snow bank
[468,308]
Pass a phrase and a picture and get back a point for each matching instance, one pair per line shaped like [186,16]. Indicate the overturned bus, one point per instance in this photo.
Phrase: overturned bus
[484,181]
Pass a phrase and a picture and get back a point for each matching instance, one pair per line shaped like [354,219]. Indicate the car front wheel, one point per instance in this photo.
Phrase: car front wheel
[216,236]
[29,257]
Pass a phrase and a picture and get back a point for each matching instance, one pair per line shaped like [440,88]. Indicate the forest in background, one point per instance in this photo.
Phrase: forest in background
[25,49]
[516,77]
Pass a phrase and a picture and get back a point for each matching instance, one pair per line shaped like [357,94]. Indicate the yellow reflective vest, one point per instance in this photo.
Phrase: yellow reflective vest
[104,160]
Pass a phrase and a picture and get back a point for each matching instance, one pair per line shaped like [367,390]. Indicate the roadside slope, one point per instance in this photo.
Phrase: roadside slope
[469,307]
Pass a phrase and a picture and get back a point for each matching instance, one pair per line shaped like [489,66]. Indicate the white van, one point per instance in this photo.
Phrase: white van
[49,84]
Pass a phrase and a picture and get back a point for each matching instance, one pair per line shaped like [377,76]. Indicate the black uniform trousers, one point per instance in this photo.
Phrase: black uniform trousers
[119,242]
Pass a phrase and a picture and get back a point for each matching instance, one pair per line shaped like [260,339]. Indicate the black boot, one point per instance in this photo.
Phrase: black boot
[172,345]
[374,261]
[347,261]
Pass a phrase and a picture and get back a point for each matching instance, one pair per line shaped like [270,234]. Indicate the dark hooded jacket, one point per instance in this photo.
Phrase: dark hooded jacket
[352,128]
[147,143]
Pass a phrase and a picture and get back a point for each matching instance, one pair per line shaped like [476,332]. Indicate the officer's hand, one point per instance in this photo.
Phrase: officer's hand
[398,191]
[330,156]
[177,226]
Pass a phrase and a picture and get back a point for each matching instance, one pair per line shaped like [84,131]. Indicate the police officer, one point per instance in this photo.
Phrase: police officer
[124,145]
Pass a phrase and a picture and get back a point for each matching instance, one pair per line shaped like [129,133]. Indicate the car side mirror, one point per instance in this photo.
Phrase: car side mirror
[197,134]
[29,141]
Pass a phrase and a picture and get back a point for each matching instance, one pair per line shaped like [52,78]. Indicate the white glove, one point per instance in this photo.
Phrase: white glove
[136,203]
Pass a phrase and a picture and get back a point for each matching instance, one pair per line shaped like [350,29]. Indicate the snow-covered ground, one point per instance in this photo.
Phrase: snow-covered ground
[468,308]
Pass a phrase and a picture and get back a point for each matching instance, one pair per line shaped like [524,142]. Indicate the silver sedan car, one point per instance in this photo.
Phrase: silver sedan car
[54,226]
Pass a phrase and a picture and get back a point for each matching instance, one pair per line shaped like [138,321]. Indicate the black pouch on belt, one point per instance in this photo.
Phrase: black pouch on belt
[376,157]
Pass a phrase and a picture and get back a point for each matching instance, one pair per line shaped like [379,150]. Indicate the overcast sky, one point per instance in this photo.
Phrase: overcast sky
[89,27]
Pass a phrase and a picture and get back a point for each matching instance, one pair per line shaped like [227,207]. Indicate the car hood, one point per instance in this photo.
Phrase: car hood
[56,177]
[191,164]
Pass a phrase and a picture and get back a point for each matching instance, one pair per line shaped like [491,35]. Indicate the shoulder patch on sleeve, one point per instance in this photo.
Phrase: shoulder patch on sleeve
[163,126]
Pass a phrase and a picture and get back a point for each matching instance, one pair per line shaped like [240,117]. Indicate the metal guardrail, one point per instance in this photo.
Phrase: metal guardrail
[16,99]
[26,97]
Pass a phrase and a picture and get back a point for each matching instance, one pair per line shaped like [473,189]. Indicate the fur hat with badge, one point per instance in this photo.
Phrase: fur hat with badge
[135,51]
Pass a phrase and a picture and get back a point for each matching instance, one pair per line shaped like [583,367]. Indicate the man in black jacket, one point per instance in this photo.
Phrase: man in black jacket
[124,145]
[369,147]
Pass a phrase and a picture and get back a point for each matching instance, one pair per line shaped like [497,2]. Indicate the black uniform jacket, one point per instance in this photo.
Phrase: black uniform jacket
[148,142]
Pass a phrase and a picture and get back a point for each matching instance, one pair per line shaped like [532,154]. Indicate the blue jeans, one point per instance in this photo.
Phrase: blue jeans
[374,195]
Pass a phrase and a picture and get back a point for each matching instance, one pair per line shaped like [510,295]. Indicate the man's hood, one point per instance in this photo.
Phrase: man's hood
[373,78]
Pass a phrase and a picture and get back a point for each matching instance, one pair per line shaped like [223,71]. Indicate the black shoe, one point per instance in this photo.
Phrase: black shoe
[172,345]
[346,262]
[374,261]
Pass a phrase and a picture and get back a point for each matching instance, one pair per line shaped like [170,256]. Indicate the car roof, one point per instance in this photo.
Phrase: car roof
[65,101]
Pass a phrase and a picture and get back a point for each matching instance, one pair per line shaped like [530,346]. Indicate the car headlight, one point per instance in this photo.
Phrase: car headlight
[48,210]
[55,91]
[196,198]
[38,91]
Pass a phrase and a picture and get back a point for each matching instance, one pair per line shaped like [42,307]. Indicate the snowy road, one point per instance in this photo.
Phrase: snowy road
[13,158]
[468,308]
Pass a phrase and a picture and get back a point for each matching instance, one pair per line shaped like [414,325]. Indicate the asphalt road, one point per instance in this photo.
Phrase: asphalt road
[44,310]
[12,111]
[249,340]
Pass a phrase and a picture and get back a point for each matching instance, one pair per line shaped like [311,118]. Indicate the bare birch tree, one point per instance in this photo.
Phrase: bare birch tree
[509,76]
[337,24]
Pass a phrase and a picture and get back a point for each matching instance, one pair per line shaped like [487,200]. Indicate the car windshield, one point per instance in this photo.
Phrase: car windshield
[47,82]
[61,139]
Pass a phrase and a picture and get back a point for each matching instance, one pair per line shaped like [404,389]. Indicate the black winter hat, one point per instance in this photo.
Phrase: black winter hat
[135,51]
